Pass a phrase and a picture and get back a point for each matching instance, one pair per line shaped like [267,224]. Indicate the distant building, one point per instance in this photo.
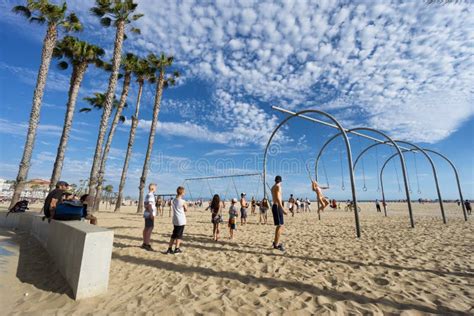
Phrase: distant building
[34,189]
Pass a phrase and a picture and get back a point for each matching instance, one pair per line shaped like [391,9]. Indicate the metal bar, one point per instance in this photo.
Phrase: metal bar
[348,150]
[227,176]
[331,125]
[457,178]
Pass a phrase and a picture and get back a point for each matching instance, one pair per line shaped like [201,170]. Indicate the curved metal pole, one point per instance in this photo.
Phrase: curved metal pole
[366,150]
[455,174]
[349,156]
[321,152]
[435,175]
[402,162]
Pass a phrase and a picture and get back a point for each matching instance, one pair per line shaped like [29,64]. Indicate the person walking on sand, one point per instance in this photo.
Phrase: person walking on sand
[323,202]
[377,206]
[215,215]
[149,215]
[179,221]
[243,209]
[467,204]
[278,212]
[264,206]
[233,214]
[253,205]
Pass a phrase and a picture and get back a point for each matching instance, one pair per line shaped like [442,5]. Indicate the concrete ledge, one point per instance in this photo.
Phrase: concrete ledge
[82,252]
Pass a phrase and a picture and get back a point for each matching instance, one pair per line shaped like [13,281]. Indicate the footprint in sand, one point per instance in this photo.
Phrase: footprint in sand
[381,281]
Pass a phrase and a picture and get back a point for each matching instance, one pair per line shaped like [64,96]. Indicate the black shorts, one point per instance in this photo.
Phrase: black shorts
[149,223]
[243,213]
[177,232]
[277,215]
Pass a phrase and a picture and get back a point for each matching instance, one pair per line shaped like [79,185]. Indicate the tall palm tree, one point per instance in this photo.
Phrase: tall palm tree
[143,72]
[41,11]
[161,64]
[119,13]
[129,62]
[80,54]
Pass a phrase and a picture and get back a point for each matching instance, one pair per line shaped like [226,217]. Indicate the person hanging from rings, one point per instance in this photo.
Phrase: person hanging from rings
[323,201]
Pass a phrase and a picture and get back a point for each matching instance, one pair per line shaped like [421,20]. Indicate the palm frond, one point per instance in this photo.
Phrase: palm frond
[106,22]
[39,20]
[63,65]
[22,10]
[85,110]
[122,119]
[136,16]
[135,30]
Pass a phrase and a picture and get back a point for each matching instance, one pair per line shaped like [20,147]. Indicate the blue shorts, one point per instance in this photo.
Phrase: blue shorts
[277,215]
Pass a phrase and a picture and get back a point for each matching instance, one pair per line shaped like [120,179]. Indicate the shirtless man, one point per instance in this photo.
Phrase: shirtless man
[243,209]
[278,211]
[291,205]
[323,201]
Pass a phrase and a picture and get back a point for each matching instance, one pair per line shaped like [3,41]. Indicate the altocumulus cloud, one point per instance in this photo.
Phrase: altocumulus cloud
[393,61]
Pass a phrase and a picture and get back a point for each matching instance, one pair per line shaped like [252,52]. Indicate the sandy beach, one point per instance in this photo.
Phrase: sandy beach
[392,269]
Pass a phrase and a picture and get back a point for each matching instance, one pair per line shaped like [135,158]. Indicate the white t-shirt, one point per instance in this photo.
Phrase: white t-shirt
[150,198]
[179,218]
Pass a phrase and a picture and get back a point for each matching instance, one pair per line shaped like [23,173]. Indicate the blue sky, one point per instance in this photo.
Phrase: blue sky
[405,68]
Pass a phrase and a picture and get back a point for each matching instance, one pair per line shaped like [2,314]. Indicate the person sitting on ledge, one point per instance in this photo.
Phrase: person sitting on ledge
[53,198]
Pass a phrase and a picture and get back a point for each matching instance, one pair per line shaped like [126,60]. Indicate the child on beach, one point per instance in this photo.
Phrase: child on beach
[215,215]
[179,221]
[323,201]
[264,206]
[243,209]
[233,214]
[149,215]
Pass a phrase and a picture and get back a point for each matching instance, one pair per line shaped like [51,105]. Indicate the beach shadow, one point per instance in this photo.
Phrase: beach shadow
[35,267]
[287,284]
[188,242]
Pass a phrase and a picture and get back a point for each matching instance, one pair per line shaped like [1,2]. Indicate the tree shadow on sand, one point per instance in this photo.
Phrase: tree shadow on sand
[287,284]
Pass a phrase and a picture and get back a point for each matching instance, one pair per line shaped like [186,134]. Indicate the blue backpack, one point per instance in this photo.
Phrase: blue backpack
[69,211]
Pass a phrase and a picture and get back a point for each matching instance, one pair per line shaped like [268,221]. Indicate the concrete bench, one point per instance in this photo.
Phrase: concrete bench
[81,252]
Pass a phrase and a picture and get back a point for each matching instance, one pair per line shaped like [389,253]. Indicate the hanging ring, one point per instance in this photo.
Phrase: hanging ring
[364,189]
[343,188]
[419,191]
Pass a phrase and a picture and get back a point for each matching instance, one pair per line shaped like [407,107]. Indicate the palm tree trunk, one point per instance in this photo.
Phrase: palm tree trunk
[151,138]
[48,45]
[76,79]
[131,140]
[108,143]
[109,98]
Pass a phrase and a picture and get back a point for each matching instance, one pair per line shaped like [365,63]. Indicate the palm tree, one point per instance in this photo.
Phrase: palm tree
[143,72]
[41,11]
[160,63]
[109,189]
[129,62]
[80,54]
[119,13]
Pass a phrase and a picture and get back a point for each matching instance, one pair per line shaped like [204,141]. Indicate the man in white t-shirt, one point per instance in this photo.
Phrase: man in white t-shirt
[149,215]
[179,221]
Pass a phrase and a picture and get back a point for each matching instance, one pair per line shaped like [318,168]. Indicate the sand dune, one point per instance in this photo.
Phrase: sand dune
[325,270]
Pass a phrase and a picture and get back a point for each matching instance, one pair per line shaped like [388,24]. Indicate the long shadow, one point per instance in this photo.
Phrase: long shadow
[189,238]
[35,267]
[292,285]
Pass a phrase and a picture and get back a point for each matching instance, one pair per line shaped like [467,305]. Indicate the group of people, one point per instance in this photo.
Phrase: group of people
[216,207]
[62,204]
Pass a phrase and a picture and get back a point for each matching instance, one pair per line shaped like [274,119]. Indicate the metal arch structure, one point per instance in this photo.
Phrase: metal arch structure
[435,174]
[416,150]
[458,182]
[388,141]
[348,149]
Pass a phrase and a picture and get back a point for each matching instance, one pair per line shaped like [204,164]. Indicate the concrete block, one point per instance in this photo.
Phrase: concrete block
[82,252]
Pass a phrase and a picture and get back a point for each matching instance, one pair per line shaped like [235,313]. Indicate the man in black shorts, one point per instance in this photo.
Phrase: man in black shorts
[278,211]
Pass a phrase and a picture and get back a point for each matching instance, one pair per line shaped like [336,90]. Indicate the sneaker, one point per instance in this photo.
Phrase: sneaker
[169,251]
[177,250]
[143,246]
[148,248]
[280,247]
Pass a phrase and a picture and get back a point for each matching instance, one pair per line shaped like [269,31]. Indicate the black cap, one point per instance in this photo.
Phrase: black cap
[278,179]
[61,183]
